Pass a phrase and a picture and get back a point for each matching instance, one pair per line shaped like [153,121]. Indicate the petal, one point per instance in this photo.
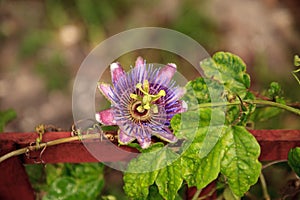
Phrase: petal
[177,107]
[143,136]
[124,138]
[106,117]
[166,135]
[180,91]
[116,71]
[140,69]
[139,62]
[106,90]
[180,107]
[144,142]
[167,73]
[183,107]
[176,94]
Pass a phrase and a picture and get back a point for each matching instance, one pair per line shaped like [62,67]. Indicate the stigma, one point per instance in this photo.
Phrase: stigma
[146,100]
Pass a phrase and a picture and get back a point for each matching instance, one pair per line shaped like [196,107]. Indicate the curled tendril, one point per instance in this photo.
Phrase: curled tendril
[40,129]
[96,128]
[33,146]
[297,64]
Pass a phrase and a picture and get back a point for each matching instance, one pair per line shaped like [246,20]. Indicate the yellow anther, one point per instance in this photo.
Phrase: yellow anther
[154,108]
[161,93]
[146,86]
[139,86]
[134,96]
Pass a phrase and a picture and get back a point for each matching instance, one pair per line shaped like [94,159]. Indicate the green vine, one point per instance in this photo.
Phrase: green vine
[254,102]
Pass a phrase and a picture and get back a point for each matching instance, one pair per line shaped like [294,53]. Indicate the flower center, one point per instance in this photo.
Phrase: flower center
[140,108]
[138,114]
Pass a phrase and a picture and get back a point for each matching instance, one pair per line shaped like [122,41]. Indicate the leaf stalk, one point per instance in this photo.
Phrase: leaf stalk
[257,102]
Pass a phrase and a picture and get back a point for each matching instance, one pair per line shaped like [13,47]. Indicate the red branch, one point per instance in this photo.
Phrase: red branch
[275,145]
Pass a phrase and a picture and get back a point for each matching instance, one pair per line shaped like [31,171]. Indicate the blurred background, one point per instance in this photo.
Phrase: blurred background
[42,44]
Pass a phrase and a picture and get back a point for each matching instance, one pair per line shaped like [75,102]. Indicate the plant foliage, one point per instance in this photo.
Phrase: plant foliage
[5,117]
[214,139]
[213,144]
[294,160]
[67,181]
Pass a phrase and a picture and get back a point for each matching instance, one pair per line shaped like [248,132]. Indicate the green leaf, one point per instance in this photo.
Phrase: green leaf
[5,117]
[203,113]
[294,159]
[36,176]
[240,163]
[169,180]
[154,193]
[201,96]
[229,70]
[274,93]
[240,114]
[234,154]
[203,91]
[185,125]
[53,171]
[199,170]
[76,181]
[62,188]
[159,166]
[263,114]
[137,183]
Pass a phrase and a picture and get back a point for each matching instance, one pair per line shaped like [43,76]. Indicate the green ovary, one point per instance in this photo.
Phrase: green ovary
[146,101]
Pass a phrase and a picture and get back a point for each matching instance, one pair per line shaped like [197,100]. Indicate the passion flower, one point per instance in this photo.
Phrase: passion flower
[143,101]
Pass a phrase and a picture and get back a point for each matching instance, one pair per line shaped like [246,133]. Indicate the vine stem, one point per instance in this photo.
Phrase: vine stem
[264,187]
[275,104]
[273,163]
[196,195]
[256,101]
[208,195]
[47,144]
